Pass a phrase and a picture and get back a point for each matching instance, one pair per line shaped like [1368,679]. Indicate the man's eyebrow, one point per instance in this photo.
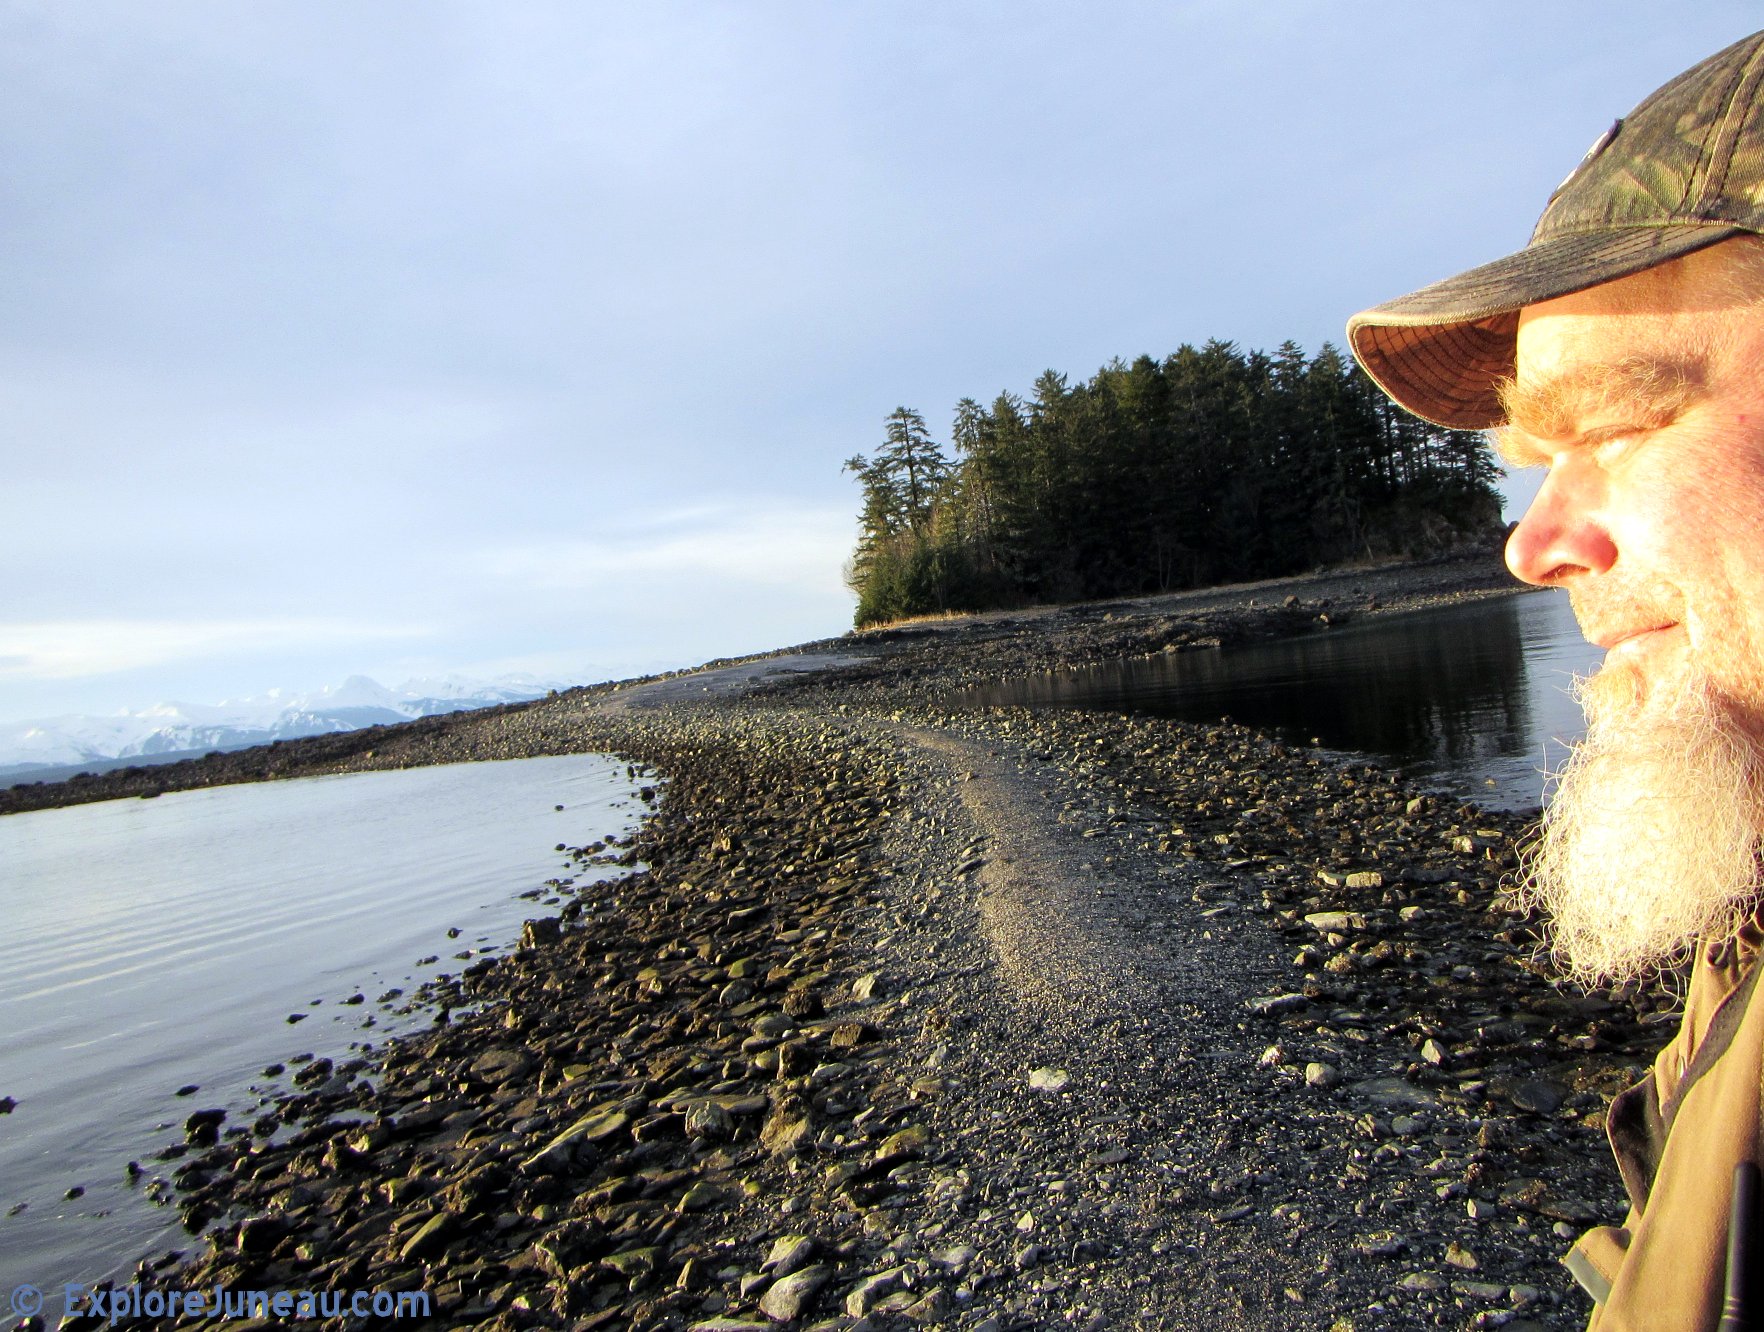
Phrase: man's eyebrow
[1516,449]
[1643,391]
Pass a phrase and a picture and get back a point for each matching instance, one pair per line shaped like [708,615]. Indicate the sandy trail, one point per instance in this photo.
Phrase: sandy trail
[1083,929]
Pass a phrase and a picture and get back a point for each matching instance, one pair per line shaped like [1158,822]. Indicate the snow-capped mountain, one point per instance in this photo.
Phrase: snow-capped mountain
[179,728]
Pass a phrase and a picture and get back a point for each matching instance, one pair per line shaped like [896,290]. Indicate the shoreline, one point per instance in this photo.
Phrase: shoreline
[991,1019]
[913,661]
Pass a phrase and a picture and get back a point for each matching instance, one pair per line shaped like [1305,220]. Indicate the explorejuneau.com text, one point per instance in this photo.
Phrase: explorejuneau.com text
[120,1302]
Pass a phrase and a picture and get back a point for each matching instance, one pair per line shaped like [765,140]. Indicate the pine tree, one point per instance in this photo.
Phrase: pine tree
[914,464]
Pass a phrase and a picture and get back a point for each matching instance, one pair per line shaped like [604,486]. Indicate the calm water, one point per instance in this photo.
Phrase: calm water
[1473,699]
[157,943]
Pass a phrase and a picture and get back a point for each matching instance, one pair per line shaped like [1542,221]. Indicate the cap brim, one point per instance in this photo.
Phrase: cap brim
[1441,351]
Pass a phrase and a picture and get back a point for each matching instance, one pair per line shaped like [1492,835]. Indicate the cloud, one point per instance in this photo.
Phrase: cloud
[71,649]
[800,547]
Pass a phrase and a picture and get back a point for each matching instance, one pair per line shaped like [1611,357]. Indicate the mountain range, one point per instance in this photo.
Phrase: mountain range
[34,749]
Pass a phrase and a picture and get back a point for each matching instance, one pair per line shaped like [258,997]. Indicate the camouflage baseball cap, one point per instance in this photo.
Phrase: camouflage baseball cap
[1682,171]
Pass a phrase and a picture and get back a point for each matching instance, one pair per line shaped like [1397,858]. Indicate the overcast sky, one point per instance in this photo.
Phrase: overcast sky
[409,338]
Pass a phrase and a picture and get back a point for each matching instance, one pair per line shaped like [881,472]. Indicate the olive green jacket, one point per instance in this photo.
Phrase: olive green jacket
[1677,1135]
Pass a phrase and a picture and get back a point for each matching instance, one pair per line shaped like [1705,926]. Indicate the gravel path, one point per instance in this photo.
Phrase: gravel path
[1067,946]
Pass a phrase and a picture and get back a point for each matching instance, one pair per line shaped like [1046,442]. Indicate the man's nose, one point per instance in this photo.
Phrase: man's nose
[1560,535]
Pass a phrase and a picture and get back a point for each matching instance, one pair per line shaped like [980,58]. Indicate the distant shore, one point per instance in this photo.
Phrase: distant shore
[990,1019]
[929,655]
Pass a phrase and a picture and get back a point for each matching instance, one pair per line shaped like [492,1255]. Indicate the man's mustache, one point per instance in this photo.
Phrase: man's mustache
[1607,609]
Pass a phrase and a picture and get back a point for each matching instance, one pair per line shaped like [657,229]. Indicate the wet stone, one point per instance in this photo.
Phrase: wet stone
[1539,1096]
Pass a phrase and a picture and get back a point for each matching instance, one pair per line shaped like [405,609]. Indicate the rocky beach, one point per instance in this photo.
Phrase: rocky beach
[974,1017]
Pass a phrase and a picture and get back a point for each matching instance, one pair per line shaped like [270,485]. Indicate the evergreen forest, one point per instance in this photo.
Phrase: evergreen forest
[1210,466]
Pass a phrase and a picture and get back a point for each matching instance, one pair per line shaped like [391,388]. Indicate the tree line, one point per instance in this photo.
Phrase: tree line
[1213,465]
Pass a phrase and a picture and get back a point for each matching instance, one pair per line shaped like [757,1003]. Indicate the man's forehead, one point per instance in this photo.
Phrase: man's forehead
[1687,298]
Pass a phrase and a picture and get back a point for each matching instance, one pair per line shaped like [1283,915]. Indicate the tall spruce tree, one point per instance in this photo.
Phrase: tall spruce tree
[914,464]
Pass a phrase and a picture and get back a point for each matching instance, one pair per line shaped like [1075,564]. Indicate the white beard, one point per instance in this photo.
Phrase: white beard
[1651,841]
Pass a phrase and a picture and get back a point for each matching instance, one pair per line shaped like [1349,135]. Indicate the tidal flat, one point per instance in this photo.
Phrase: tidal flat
[986,1018]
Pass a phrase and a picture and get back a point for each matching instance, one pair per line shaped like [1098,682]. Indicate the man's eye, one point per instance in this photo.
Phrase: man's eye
[1612,448]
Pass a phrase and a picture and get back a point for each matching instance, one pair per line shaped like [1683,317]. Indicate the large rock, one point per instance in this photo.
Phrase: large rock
[430,1238]
[499,1066]
[707,1119]
[786,1300]
[789,1128]
[790,1253]
[868,1293]
[1335,922]
[1395,1093]
[907,1145]
[577,1141]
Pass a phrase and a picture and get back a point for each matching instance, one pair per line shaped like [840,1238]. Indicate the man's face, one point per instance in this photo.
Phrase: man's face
[1645,398]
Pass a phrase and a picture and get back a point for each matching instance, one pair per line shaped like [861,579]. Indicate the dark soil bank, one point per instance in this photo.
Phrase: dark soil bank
[982,1019]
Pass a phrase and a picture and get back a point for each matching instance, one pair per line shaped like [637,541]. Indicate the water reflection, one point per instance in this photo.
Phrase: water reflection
[1472,698]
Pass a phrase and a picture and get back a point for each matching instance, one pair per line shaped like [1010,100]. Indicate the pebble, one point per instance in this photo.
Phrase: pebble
[957,1259]
[1459,1256]
[1273,1005]
[1480,1290]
